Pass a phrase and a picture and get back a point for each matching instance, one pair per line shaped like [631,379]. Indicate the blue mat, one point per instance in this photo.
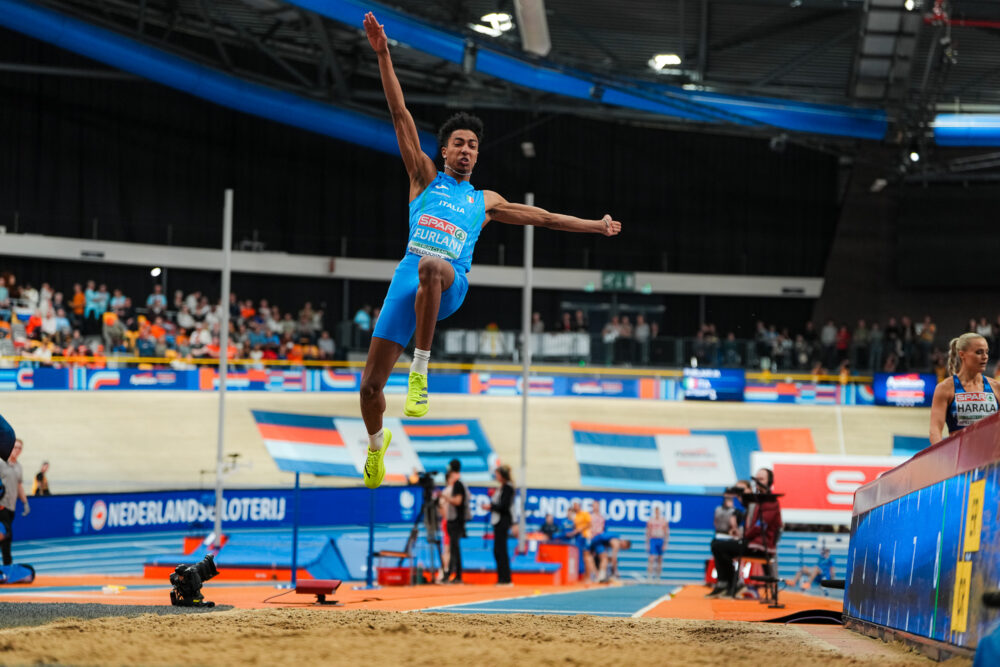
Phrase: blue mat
[619,601]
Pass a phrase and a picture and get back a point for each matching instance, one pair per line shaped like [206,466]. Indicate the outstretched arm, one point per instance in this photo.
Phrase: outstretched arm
[419,167]
[498,208]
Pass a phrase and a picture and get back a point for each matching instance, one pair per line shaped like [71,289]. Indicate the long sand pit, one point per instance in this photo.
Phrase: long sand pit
[331,637]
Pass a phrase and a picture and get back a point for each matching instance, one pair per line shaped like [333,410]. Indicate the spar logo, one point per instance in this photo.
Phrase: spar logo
[98,515]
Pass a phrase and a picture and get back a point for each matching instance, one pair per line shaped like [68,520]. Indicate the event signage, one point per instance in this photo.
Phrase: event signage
[193,512]
[819,488]
[904,389]
[714,384]
[696,384]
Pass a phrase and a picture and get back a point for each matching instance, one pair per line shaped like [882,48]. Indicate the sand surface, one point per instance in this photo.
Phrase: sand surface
[333,637]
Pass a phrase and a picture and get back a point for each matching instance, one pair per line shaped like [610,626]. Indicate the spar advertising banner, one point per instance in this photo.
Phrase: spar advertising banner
[907,390]
[194,511]
[819,488]
[713,384]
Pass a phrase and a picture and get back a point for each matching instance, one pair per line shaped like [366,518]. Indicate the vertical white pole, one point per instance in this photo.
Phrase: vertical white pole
[227,259]
[840,424]
[529,258]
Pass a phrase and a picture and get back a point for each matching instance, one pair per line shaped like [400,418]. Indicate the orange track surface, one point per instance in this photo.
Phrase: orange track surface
[689,603]
[252,596]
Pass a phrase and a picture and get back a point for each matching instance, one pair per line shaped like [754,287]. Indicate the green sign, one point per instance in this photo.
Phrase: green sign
[617,281]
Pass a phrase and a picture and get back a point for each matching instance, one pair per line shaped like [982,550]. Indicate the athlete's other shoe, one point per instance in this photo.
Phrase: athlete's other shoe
[416,397]
[375,464]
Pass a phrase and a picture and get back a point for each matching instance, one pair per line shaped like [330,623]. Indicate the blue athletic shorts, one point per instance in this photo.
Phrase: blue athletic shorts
[656,546]
[397,321]
[601,542]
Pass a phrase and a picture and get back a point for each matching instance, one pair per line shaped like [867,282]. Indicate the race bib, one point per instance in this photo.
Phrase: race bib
[434,237]
[970,407]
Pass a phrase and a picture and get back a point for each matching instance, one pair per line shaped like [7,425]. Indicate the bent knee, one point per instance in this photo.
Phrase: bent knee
[431,269]
[370,390]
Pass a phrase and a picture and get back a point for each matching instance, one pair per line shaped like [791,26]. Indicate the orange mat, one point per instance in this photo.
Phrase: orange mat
[140,591]
[690,603]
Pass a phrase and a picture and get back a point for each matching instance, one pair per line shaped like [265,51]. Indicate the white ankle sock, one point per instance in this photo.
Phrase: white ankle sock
[375,441]
[420,359]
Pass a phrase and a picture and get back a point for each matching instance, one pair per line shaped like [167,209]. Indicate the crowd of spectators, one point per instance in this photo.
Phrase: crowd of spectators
[899,345]
[93,322]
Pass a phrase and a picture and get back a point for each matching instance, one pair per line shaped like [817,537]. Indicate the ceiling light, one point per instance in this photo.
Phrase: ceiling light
[914,156]
[155,271]
[661,60]
[494,24]
[909,5]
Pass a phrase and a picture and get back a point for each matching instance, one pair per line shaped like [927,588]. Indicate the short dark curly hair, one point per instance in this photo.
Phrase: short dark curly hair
[460,121]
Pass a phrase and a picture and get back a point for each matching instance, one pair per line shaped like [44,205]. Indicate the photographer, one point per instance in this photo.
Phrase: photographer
[455,500]
[760,539]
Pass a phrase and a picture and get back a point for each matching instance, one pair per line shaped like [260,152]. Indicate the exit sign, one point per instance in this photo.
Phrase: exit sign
[617,281]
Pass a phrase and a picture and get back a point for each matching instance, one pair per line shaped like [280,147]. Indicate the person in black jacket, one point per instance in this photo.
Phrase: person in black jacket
[501,501]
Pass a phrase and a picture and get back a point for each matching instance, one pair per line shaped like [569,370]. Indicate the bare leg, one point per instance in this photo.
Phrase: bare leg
[436,275]
[382,356]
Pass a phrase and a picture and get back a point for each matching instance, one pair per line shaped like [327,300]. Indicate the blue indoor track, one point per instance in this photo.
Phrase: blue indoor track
[617,601]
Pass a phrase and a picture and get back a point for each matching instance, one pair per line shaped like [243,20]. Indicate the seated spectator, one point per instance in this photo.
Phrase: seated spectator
[537,325]
[184,318]
[191,301]
[304,329]
[327,347]
[118,299]
[63,327]
[549,528]
[287,327]
[41,485]
[823,569]
[580,323]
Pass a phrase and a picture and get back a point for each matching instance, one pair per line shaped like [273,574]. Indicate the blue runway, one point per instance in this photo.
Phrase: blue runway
[617,601]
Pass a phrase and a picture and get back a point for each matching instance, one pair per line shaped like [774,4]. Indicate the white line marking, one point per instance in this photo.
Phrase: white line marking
[654,603]
[516,597]
[565,612]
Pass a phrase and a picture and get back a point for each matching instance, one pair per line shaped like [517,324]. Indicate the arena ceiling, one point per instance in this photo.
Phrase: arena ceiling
[939,56]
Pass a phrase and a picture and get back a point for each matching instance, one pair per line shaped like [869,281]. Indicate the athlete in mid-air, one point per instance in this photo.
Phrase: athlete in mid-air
[446,216]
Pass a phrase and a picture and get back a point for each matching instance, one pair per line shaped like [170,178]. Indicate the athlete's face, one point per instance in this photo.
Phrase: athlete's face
[461,152]
[975,356]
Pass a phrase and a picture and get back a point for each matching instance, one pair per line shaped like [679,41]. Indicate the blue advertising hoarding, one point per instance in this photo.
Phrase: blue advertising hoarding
[714,384]
[194,511]
[906,557]
[904,389]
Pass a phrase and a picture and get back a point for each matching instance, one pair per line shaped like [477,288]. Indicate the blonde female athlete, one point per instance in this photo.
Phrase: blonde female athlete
[968,395]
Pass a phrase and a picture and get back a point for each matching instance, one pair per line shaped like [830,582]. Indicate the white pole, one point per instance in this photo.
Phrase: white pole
[227,259]
[840,424]
[529,253]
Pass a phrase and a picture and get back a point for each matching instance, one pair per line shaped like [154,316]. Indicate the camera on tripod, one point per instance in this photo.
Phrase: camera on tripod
[187,581]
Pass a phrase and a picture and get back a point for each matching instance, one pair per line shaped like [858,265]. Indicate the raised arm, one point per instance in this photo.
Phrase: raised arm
[419,166]
[501,210]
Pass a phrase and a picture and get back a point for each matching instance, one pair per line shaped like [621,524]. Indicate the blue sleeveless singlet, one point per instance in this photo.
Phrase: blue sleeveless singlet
[445,221]
[968,407]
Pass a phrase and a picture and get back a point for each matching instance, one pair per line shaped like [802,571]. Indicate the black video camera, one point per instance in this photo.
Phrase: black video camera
[187,581]
[425,480]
